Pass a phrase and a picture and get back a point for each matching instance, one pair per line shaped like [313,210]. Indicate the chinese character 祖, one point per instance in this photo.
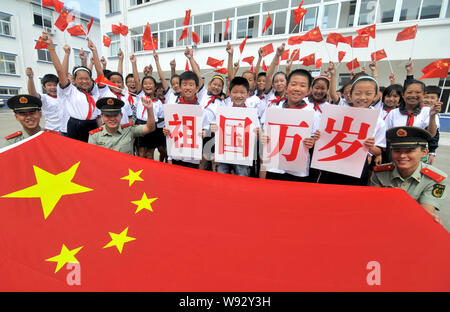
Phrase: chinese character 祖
[186,133]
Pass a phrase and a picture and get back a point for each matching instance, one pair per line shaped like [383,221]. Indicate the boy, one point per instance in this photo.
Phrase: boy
[127,112]
[430,99]
[423,182]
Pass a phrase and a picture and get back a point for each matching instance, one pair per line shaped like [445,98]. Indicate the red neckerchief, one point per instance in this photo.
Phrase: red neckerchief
[410,120]
[153,100]
[300,105]
[316,103]
[91,103]
[212,99]
[277,100]
[245,106]
[52,96]
[119,95]
[182,101]
[130,99]
[388,110]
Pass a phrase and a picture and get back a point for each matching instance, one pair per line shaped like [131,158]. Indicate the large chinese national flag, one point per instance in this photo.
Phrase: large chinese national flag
[131,224]
[436,69]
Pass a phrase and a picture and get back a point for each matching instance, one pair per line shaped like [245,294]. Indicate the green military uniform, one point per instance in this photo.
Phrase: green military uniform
[13,138]
[122,140]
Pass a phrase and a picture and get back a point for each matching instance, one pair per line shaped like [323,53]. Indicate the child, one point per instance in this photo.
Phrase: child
[319,93]
[261,85]
[392,97]
[298,87]
[431,98]
[132,93]
[117,79]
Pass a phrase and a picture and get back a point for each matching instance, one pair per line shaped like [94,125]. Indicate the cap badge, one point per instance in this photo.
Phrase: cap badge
[110,102]
[23,100]
[402,133]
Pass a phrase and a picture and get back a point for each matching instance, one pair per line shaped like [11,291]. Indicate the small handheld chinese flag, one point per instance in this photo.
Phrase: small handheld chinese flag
[106,41]
[123,29]
[268,23]
[63,20]
[309,60]
[293,40]
[264,66]
[227,24]
[184,34]
[40,44]
[361,41]
[248,59]
[195,38]
[341,55]
[437,69]
[76,30]
[369,31]
[102,80]
[295,56]
[222,71]
[334,38]
[267,49]
[242,45]
[299,13]
[319,63]
[148,41]
[348,40]
[115,29]
[214,62]
[378,55]
[285,55]
[58,5]
[90,25]
[407,34]
[187,17]
[313,35]
[353,64]
[187,65]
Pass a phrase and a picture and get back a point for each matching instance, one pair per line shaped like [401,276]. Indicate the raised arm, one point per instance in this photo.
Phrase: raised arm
[230,69]
[62,75]
[333,92]
[289,64]
[272,67]
[150,125]
[258,64]
[83,57]
[189,53]
[160,72]
[65,63]
[137,81]
[97,65]
[103,62]
[91,63]
[173,65]
[374,69]
[31,88]
[120,63]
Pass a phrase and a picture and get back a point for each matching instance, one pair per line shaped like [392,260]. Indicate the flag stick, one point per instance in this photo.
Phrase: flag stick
[443,86]
[328,52]
[390,65]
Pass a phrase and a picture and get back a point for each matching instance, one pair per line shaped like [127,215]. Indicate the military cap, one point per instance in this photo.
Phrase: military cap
[110,105]
[407,137]
[24,103]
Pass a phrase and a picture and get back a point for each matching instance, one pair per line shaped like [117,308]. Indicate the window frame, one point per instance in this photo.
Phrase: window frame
[3,56]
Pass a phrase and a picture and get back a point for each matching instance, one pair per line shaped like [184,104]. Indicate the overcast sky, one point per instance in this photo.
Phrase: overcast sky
[89,7]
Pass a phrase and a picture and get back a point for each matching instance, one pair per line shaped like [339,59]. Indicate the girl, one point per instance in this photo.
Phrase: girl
[392,97]
[319,93]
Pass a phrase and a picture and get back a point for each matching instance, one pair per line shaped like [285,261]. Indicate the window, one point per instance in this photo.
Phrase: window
[430,9]
[296,3]
[330,16]
[42,16]
[367,12]
[9,91]
[204,32]
[344,79]
[386,9]
[447,15]
[219,31]
[410,10]
[136,38]
[347,16]
[310,19]
[44,55]
[7,63]
[137,2]
[5,24]
[247,26]
[112,6]
[166,39]
[115,44]
[185,42]
[76,57]
[278,25]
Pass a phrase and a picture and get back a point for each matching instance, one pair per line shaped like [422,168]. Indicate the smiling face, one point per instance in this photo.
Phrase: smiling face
[131,85]
[363,94]
[117,80]
[297,89]
[279,83]
[149,86]
[261,83]
[413,95]
[175,82]
[188,89]
[215,86]
[82,80]
[251,80]
[50,88]
[319,90]
[430,99]
[407,159]
[29,120]
[112,121]
[392,100]
[238,95]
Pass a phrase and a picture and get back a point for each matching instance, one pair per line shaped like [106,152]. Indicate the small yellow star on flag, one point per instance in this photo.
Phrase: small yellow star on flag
[133,177]
[65,256]
[50,188]
[144,203]
[119,240]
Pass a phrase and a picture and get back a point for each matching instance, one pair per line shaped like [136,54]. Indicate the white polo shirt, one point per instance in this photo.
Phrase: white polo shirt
[53,111]
[158,112]
[397,119]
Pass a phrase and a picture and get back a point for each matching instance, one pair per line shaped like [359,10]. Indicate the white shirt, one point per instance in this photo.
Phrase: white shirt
[77,104]
[53,111]
[397,119]
[170,96]
[158,112]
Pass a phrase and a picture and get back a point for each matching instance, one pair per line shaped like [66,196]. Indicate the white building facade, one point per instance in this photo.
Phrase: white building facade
[21,24]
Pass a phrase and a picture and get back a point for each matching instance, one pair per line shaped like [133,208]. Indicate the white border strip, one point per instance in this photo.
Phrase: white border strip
[4,149]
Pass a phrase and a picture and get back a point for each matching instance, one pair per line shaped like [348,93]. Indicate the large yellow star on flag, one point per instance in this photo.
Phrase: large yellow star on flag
[50,188]
[133,177]
[144,203]
[65,256]
[119,240]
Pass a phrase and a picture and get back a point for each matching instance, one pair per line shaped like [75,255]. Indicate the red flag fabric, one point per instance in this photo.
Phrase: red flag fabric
[214,62]
[293,40]
[187,65]
[90,25]
[335,38]
[407,34]
[106,41]
[309,60]
[295,56]
[341,55]
[299,13]
[227,25]
[360,42]
[313,35]
[58,5]
[115,29]
[348,40]
[319,63]
[353,64]
[248,59]
[285,55]
[150,45]
[40,44]
[123,30]
[134,228]
[242,45]
[76,30]
[222,71]
[264,66]
[63,20]
[436,69]
[147,36]
[195,38]
[268,23]
[378,55]
[187,18]
[267,49]
[184,34]
[369,31]
[102,80]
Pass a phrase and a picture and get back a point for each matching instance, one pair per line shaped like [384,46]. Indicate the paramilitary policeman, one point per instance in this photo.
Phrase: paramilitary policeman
[27,110]
[118,137]
[423,182]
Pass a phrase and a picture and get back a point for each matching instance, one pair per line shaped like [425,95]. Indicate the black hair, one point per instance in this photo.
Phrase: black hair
[249,72]
[433,90]
[49,78]
[189,75]
[321,78]
[411,82]
[159,85]
[128,77]
[149,77]
[262,74]
[382,89]
[364,77]
[106,72]
[174,76]
[239,81]
[393,88]
[279,73]
[301,72]
[75,71]
[109,75]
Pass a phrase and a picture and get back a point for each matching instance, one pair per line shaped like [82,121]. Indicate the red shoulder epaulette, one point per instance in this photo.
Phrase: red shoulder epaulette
[127,125]
[95,130]
[432,175]
[381,168]
[15,134]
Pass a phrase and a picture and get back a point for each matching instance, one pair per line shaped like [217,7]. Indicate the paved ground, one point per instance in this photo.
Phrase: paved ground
[8,125]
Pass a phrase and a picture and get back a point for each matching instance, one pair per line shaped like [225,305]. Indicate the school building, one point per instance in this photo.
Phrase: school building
[21,24]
